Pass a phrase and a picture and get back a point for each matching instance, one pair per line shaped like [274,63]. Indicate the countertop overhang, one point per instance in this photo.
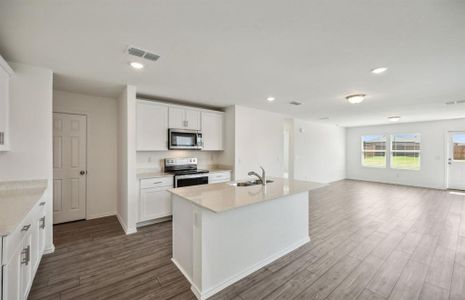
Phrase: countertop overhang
[220,197]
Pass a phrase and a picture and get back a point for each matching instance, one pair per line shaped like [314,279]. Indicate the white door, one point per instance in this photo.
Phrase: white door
[212,130]
[192,119]
[155,203]
[152,126]
[456,161]
[69,167]
[177,118]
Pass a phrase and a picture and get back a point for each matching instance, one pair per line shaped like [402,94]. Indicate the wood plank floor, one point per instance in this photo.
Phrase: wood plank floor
[369,241]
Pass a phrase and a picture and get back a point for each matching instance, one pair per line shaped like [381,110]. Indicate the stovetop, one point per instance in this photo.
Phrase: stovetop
[188,172]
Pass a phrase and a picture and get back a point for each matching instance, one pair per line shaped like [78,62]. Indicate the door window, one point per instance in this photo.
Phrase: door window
[458,144]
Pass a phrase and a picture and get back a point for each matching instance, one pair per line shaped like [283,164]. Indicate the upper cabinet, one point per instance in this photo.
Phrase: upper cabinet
[152,126]
[154,119]
[212,130]
[184,118]
[5,73]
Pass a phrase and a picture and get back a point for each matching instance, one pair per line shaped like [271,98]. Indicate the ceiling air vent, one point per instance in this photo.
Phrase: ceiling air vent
[295,103]
[455,102]
[142,53]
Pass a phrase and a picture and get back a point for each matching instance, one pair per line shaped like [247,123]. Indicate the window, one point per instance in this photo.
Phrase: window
[405,151]
[374,151]
[458,140]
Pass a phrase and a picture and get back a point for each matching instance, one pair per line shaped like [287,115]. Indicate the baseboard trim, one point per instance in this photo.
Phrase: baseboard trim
[202,295]
[102,215]
[126,229]
[49,250]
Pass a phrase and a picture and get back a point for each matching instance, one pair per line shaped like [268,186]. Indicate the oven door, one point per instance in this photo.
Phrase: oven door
[183,139]
[188,180]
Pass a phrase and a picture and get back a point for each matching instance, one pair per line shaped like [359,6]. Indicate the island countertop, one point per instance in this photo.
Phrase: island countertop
[220,197]
[16,199]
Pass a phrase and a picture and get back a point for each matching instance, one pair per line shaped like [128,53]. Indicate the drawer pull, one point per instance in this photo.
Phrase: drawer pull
[27,255]
[41,203]
[158,182]
[26,227]
[42,222]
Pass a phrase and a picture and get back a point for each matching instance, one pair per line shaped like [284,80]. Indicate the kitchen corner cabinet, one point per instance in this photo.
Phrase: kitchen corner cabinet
[5,74]
[21,253]
[212,130]
[152,126]
[184,118]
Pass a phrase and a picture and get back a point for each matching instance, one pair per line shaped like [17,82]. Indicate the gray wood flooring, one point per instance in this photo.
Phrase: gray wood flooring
[369,241]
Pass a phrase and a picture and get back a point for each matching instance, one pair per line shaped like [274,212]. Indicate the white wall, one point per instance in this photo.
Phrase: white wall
[318,152]
[126,209]
[154,159]
[433,153]
[31,133]
[101,148]
[258,142]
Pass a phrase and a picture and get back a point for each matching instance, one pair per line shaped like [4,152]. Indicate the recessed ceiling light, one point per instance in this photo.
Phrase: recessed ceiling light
[271,99]
[394,118]
[379,70]
[356,98]
[137,65]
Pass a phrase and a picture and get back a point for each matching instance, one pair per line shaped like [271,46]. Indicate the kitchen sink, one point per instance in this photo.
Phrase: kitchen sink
[249,183]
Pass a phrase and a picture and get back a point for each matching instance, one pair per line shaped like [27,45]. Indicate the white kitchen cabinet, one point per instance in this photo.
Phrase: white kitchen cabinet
[152,126]
[5,74]
[21,254]
[184,118]
[154,198]
[218,177]
[212,130]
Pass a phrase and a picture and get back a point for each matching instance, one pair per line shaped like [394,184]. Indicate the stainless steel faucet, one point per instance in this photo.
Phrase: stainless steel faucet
[261,178]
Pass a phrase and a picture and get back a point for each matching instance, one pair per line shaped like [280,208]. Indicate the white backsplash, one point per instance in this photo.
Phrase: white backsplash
[154,160]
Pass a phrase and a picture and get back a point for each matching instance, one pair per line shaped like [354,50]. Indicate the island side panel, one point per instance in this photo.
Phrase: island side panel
[183,222]
[238,242]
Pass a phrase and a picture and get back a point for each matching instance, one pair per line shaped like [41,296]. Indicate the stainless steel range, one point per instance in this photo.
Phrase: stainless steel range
[185,171]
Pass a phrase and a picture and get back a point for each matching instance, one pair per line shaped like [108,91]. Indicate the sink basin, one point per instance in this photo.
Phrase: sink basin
[249,183]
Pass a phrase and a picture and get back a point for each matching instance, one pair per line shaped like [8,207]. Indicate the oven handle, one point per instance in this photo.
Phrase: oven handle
[177,177]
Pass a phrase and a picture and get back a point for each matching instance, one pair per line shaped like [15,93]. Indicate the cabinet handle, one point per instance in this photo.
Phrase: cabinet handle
[2,137]
[42,220]
[158,182]
[185,123]
[27,255]
[26,227]
[41,203]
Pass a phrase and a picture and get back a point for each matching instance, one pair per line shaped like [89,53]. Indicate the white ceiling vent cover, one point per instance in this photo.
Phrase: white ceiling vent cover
[142,53]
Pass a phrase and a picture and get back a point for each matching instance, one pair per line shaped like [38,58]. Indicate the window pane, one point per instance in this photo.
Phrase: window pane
[405,160]
[402,142]
[373,142]
[374,159]
[459,146]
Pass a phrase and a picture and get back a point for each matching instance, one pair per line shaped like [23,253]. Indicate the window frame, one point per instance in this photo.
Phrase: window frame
[391,156]
[363,151]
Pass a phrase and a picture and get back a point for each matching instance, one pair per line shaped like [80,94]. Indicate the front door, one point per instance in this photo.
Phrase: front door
[69,167]
[456,161]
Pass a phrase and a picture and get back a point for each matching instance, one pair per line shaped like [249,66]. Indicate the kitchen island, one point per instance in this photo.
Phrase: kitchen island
[223,232]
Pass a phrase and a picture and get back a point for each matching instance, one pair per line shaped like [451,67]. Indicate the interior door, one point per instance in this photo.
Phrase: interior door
[456,161]
[69,167]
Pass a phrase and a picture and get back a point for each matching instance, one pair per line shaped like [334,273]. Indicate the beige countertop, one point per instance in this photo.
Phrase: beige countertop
[220,197]
[16,200]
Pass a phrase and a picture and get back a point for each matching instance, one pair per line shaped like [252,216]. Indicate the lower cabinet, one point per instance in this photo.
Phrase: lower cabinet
[218,177]
[22,252]
[154,199]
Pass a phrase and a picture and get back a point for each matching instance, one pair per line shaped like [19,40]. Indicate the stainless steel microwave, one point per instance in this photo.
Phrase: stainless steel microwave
[184,139]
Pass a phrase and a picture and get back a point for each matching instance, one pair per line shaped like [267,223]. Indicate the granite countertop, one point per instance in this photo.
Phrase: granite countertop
[220,197]
[17,198]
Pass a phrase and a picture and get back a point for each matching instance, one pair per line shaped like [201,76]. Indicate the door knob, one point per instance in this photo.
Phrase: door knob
[82,172]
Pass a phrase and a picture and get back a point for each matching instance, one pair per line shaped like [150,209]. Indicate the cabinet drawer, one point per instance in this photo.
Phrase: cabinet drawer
[156,182]
[219,177]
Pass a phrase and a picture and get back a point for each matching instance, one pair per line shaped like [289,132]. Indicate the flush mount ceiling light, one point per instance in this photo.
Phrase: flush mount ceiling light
[137,65]
[379,70]
[394,118]
[356,98]
[270,99]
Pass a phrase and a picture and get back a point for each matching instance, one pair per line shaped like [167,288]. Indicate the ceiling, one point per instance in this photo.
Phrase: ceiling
[220,53]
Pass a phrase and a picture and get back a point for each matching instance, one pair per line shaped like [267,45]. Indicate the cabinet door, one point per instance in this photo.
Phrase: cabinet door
[212,130]
[192,119]
[177,118]
[26,267]
[152,126]
[4,110]
[17,275]
[154,203]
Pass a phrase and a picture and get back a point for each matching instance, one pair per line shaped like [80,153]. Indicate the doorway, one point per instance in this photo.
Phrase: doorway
[69,167]
[456,161]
